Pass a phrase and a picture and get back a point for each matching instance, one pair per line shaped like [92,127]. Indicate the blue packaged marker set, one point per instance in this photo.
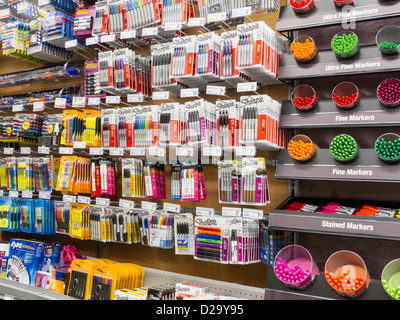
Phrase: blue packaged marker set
[25,259]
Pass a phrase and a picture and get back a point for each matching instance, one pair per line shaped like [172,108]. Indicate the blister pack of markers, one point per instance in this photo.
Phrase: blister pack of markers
[170,124]
[227,115]
[184,233]
[157,229]
[207,57]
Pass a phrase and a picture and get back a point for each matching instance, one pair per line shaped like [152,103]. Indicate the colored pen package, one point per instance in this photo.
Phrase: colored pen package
[25,259]
[208,56]
[100,22]
[146,126]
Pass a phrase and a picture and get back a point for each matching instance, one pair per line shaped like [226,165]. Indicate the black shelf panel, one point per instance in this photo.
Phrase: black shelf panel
[336,224]
[367,61]
[368,113]
[326,13]
[319,289]
[367,167]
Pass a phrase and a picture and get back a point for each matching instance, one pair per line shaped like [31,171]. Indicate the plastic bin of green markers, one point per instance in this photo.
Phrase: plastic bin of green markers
[347,274]
[343,148]
[295,267]
[342,3]
[390,279]
[345,44]
[387,147]
[388,39]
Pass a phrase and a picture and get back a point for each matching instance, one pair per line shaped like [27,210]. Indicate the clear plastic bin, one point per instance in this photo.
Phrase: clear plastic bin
[306,57]
[353,156]
[304,91]
[391,34]
[348,54]
[388,137]
[345,89]
[304,9]
[306,140]
[389,104]
[390,279]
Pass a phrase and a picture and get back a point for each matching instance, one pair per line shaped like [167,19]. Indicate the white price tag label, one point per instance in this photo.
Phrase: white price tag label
[25,150]
[130,34]
[107,38]
[116,152]
[247,151]
[135,97]
[171,207]
[5,13]
[38,106]
[42,3]
[1,193]
[96,151]
[83,200]
[27,194]
[196,22]
[65,150]
[8,150]
[231,212]
[158,152]
[241,12]
[211,151]
[184,152]
[92,40]
[246,86]
[71,44]
[252,213]
[79,144]
[138,152]
[189,93]
[44,150]
[149,31]
[60,103]
[149,205]
[126,204]
[69,198]
[113,99]
[78,102]
[201,211]
[216,90]
[22,7]
[93,101]
[172,26]
[13,194]
[215,17]
[160,95]
[17,107]
[103,201]
[44,194]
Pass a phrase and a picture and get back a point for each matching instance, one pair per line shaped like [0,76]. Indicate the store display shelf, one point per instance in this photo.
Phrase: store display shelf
[367,167]
[368,60]
[11,290]
[326,13]
[367,113]
[318,290]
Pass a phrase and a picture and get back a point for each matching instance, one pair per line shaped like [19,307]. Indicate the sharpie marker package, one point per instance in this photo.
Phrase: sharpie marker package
[7,220]
[109,128]
[184,233]
[183,57]
[170,124]
[229,41]
[123,59]
[229,181]
[146,126]
[254,182]
[106,69]
[142,13]
[24,261]
[208,56]
[227,115]
[125,125]
[100,22]
[201,122]
[161,57]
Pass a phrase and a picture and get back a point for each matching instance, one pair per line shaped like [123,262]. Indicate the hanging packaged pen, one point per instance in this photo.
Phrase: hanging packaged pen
[146,126]
[6,214]
[254,182]
[95,177]
[124,123]
[42,174]
[122,69]
[108,128]
[108,178]
[92,128]
[73,127]
[176,181]
[106,69]
[83,22]
[142,13]
[183,63]
[51,130]
[170,124]
[66,174]
[159,227]
[227,114]
[92,80]
[27,215]
[100,22]
[229,181]
[11,173]
[79,221]
[184,233]
[161,57]
[61,212]
[200,119]
[207,57]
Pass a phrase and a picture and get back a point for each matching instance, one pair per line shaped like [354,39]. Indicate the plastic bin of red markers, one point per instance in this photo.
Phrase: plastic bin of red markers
[347,274]
[342,3]
[295,267]
[346,95]
[302,6]
[304,97]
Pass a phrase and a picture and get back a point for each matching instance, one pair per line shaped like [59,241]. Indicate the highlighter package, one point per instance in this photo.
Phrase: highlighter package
[73,127]
[61,211]
[66,174]
[27,215]
[92,128]
[25,177]
[7,207]
[25,259]
[79,221]
[43,174]
[11,173]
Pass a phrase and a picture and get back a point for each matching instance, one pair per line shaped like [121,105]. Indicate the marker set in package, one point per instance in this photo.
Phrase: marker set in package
[243,182]
[187,182]
[229,240]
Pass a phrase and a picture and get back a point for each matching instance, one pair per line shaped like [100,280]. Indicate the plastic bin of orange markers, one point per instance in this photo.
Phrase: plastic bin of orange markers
[301,148]
[303,49]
